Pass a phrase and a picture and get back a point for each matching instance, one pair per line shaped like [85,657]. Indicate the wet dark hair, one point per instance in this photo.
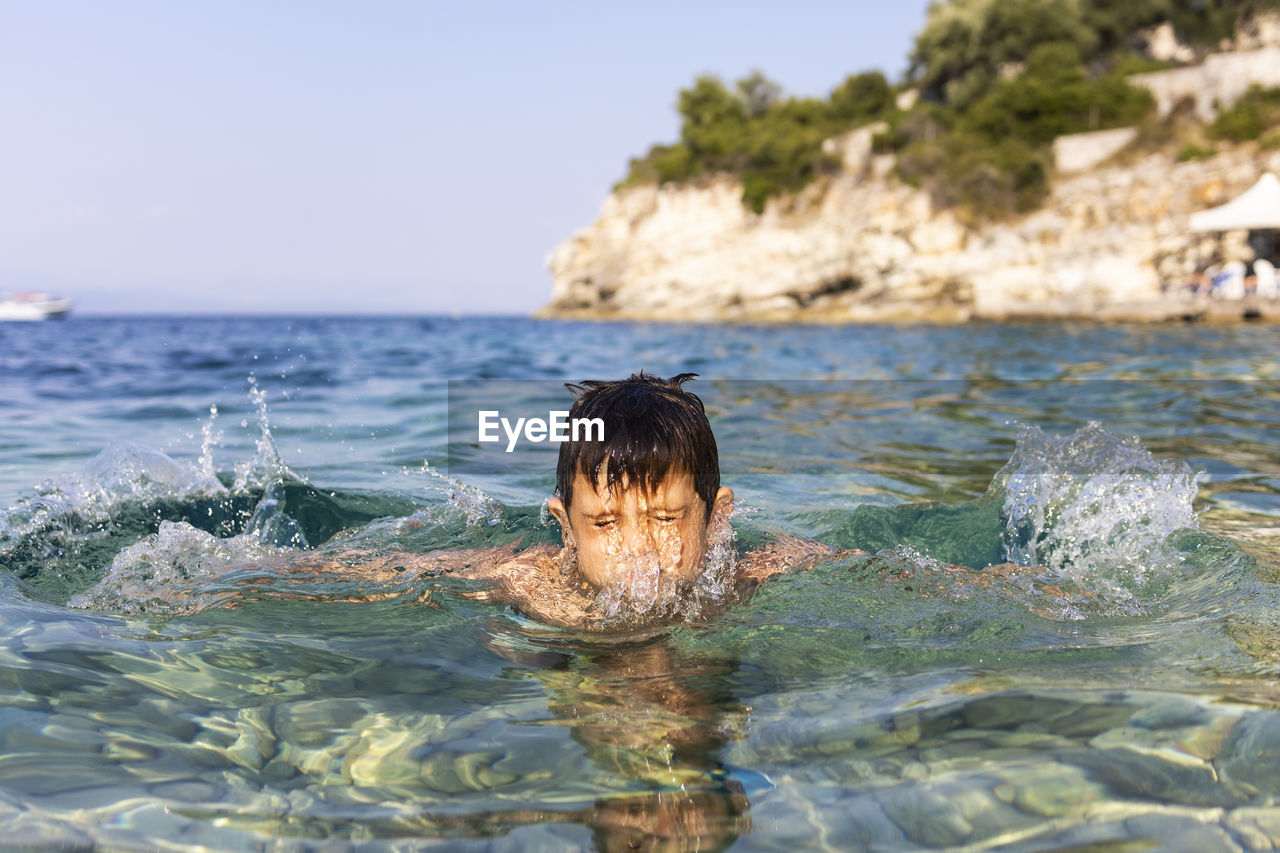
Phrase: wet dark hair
[653,428]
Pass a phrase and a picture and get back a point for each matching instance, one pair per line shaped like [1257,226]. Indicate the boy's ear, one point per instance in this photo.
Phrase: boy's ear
[723,505]
[557,508]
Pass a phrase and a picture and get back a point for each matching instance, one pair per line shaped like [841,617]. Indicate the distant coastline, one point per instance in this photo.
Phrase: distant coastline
[1112,244]
[1102,234]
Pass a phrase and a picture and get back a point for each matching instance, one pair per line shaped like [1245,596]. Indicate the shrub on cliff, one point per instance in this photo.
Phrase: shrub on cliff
[966,45]
[1205,22]
[784,152]
[1256,111]
[714,122]
[774,144]
[998,81]
[1054,96]
[982,178]
[993,158]
[861,98]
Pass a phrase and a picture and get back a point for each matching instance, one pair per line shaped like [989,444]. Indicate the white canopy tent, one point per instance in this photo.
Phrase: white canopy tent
[1258,208]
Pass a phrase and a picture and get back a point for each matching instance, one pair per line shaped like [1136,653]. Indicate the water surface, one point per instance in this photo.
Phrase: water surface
[168,678]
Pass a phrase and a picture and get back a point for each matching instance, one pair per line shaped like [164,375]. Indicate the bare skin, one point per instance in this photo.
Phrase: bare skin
[607,538]
[614,538]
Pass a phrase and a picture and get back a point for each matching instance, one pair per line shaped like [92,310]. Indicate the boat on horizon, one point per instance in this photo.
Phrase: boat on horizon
[33,305]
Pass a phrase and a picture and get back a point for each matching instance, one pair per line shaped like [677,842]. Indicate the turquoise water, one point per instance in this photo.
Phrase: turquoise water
[170,678]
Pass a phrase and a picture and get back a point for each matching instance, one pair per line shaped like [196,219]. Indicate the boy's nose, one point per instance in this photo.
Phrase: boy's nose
[639,539]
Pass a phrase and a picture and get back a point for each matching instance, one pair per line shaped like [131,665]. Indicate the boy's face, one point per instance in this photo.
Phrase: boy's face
[629,530]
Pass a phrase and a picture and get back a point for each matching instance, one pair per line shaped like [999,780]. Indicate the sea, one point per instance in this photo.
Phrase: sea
[184,666]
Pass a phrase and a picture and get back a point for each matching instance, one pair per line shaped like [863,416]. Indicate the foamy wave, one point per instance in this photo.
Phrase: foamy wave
[126,472]
[169,572]
[123,471]
[477,507]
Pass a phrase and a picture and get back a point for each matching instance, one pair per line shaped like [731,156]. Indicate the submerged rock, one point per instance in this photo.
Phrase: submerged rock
[1052,791]
[1250,758]
[925,816]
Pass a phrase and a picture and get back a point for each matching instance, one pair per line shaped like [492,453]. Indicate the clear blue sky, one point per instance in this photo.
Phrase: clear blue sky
[316,157]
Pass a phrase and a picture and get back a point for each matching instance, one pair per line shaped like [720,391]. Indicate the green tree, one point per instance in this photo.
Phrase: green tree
[713,123]
[784,150]
[965,43]
[1053,97]
[861,98]
[1000,80]
[992,158]
[758,93]
[1206,22]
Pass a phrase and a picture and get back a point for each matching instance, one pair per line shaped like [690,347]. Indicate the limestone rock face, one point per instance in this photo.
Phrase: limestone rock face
[865,247]
[1262,30]
[1078,152]
[1221,79]
[1162,43]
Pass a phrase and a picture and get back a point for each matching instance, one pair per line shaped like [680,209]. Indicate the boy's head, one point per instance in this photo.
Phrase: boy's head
[648,494]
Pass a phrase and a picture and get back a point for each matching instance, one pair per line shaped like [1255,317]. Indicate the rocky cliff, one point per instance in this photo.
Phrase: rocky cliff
[865,247]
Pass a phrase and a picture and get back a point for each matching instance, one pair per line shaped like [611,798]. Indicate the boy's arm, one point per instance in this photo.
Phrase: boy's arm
[789,554]
[1050,597]
[495,562]
[529,580]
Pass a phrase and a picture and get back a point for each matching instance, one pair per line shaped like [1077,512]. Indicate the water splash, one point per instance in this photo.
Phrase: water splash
[266,465]
[60,539]
[125,472]
[122,472]
[209,437]
[716,581]
[1095,509]
[270,523]
[170,572]
[476,506]
[641,592]
[465,517]
[646,595]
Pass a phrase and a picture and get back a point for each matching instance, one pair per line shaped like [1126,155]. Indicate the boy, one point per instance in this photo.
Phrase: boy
[642,513]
